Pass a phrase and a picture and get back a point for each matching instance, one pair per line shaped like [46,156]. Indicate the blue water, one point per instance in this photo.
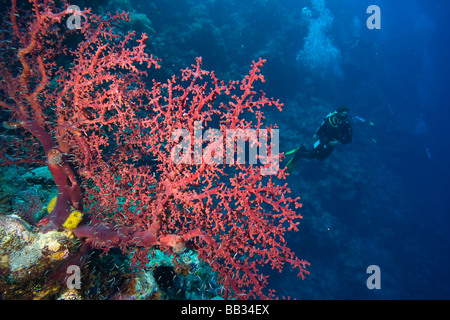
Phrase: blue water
[381,200]
[384,199]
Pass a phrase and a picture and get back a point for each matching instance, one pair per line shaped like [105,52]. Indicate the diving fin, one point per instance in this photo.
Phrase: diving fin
[290,166]
[292,151]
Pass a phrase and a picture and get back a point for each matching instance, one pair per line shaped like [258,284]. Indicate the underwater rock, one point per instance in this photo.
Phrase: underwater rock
[27,256]
[70,294]
[39,175]
[187,278]
[141,23]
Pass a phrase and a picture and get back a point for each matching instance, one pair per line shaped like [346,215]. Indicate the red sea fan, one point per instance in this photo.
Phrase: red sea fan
[150,166]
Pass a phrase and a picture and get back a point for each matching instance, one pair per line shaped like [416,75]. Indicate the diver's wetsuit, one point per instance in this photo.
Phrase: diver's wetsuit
[333,127]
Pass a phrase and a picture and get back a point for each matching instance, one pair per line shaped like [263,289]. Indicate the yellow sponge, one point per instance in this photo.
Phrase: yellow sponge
[73,220]
[51,205]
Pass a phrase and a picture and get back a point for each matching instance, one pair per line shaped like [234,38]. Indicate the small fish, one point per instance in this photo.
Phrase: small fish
[11,125]
[153,5]
[390,109]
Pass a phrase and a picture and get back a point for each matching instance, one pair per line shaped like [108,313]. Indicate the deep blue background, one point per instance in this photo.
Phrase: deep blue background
[382,200]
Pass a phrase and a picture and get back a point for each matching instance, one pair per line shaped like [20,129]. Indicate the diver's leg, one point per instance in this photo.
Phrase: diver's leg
[301,152]
[321,152]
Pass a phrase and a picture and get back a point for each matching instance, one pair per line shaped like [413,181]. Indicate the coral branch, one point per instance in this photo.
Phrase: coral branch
[110,142]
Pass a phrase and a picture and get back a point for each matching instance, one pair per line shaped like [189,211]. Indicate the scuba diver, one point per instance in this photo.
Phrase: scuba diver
[334,130]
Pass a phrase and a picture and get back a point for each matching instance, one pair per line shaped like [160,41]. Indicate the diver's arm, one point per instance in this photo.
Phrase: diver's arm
[320,130]
[348,135]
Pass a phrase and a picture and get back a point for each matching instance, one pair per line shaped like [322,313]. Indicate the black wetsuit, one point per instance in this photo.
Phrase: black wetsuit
[332,128]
